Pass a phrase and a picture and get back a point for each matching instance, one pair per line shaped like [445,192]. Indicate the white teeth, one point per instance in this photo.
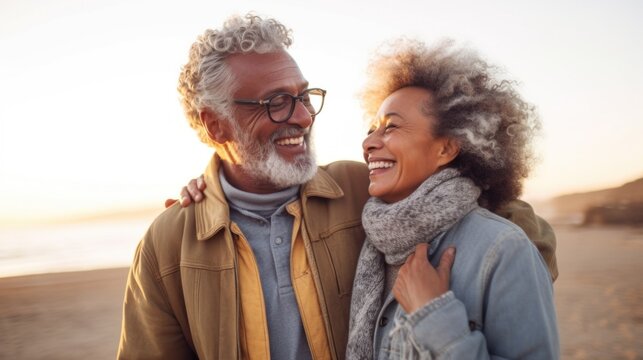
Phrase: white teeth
[380,165]
[291,141]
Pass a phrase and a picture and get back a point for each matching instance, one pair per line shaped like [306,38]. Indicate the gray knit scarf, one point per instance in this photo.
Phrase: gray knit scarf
[392,232]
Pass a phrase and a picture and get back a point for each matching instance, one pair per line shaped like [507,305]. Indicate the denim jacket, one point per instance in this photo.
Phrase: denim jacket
[500,305]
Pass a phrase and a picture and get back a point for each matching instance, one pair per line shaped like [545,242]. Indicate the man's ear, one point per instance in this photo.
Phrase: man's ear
[217,128]
[449,151]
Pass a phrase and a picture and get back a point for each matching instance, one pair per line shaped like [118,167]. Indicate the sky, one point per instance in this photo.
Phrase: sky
[90,119]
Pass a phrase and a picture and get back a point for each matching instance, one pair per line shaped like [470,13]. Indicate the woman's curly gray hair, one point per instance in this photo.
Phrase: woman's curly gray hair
[206,81]
[484,113]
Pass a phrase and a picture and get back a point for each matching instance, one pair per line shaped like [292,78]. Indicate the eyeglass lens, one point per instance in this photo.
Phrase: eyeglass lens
[282,106]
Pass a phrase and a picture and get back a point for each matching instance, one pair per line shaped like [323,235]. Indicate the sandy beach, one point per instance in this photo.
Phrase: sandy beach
[599,294]
[598,298]
[61,316]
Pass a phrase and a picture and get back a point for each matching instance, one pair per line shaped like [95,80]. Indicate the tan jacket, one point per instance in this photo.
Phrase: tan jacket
[182,296]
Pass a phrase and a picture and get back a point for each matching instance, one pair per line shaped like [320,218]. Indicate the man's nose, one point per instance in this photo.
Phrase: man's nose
[301,116]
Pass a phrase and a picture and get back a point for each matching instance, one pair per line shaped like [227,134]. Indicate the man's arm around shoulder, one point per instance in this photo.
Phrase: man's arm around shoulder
[536,228]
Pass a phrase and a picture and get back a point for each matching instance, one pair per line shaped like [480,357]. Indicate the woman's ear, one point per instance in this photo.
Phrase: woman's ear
[216,127]
[449,151]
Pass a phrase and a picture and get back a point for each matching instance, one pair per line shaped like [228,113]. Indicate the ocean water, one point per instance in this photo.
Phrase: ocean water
[69,247]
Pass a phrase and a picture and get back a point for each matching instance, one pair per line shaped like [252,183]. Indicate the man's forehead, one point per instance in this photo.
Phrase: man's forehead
[244,61]
[274,71]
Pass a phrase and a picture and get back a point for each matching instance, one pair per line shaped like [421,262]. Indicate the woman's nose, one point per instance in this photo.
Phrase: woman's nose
[371,141]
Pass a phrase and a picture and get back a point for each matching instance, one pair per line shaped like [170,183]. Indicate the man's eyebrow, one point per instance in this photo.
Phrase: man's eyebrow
[302,86]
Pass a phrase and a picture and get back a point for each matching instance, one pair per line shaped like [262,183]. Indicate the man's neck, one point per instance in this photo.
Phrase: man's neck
[236,176]
[254,202]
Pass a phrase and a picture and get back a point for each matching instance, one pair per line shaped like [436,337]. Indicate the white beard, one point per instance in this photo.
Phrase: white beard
[262,163]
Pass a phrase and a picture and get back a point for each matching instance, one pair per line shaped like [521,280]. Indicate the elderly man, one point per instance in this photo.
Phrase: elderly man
[263,266]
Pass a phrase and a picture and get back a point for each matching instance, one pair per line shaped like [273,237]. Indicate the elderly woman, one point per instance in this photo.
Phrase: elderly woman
[448,142]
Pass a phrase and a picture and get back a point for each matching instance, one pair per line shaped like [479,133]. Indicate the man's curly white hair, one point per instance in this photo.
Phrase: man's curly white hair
[206,81]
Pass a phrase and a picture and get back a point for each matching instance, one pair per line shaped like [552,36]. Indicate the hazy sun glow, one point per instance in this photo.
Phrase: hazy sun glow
[90,118]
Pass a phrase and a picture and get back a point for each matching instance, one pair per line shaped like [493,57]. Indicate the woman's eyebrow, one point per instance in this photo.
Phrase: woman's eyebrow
[391,114]
[385,117]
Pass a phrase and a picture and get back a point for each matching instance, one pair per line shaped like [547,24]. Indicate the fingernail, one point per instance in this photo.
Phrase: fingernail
[451,251]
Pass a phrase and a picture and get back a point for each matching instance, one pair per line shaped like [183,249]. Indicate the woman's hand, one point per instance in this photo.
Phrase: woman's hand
[418,282]
[190,193]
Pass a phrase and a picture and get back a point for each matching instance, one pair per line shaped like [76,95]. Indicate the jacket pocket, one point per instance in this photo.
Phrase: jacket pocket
[342,246]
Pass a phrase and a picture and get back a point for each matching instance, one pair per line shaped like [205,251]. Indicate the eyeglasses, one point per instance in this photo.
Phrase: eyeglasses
[281,106]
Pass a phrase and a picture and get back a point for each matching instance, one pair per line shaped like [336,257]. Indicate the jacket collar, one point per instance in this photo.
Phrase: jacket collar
[213,213]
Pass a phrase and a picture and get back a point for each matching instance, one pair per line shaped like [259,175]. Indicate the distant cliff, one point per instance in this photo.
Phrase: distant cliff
[620,205]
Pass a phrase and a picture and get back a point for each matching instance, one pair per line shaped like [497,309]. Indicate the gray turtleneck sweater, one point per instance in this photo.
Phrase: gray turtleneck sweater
[267,226]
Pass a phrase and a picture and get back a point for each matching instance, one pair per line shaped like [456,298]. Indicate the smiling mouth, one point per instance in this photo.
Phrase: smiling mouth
[291,141]
[377,165]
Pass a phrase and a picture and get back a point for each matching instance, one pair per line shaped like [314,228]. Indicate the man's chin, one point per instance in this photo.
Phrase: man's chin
[279,167]
[284,173]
